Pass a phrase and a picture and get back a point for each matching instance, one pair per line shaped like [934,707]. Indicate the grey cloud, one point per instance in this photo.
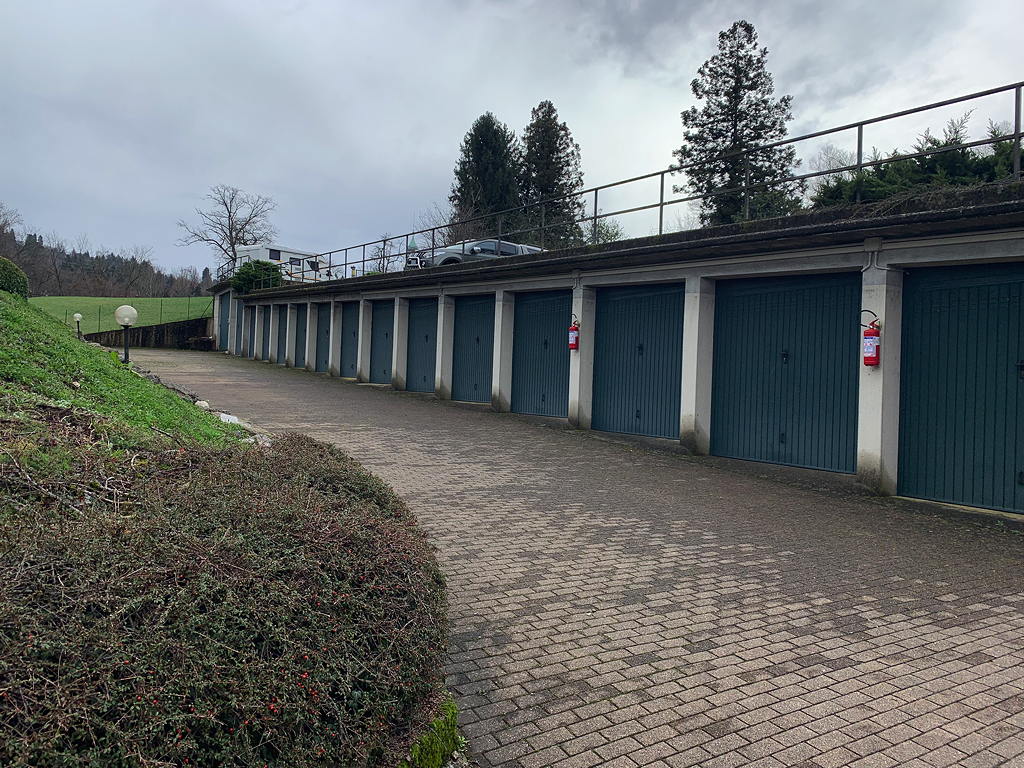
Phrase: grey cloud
[118,116]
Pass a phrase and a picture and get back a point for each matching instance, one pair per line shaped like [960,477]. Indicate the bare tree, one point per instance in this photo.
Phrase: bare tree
[10,219]
[386,254]
[54,252]
[827,158]
[235,219]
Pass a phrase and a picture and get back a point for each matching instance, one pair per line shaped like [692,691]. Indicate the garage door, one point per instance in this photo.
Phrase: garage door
[224,309]
[300,335]
[250,320]
[540,353]
[323,336]
[785,370]
[282,332]
[472,349]
[421,357]
[638,352]
[962,386]
[381,329]
[239,319]
[349,338]
[265,333]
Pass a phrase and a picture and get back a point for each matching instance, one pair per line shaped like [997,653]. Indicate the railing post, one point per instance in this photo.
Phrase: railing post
[498,249]
[543,225]
[746,187]
[661,204]
[1016,132]
[860,157]
[595,216]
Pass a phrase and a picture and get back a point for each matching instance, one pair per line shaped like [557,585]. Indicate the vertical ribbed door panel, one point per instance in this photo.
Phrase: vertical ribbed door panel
[785,372]
[962,386]
[421,357]
[473,348]
[638,352]
[540,353]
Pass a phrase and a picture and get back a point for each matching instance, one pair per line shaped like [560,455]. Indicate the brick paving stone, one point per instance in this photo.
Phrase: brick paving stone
[647,608]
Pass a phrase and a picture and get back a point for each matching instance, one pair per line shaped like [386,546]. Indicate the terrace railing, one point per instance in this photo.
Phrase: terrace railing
[535,223]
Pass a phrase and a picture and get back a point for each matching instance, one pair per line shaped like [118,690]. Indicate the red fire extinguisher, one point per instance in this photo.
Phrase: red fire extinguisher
[574,334]
[872,343]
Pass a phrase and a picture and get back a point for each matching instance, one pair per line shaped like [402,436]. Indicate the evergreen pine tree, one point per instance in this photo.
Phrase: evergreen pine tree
[486,178]
[551,169]
[739,112]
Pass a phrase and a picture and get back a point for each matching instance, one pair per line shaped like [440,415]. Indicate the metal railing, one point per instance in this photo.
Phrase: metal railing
[503,226]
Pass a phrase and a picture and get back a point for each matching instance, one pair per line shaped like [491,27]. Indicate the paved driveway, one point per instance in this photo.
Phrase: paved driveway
[619,607]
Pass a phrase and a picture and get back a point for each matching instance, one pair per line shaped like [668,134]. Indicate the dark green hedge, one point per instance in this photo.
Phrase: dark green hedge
[180,605]
[12,279]
[254,275]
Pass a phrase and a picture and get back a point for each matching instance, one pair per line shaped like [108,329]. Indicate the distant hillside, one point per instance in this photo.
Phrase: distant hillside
[98,311]
[53,270]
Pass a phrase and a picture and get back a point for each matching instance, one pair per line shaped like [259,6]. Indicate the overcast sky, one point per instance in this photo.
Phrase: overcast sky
[117,116]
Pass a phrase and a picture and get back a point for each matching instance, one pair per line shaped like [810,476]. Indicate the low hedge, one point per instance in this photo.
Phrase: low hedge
[256,274]
[179,605]
[12,278]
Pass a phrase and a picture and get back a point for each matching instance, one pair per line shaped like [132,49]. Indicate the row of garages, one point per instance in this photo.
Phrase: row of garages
[786,366]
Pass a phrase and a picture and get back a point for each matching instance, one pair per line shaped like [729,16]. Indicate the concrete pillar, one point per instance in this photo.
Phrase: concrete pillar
[289,340]
[878,421]
[334,356]
[311,316]
[232,321]
[261,319]
[275,331]
[501,360]
[445,343]
[363,347]
[216,320]
[246,314]
[581,361]
[698,354]
[400,344]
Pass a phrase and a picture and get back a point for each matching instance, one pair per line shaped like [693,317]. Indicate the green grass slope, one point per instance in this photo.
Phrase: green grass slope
[98,311]
[42,363]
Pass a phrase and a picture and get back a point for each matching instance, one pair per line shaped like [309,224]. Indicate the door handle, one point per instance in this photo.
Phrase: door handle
[1020,369]
[785,357]
[640,349]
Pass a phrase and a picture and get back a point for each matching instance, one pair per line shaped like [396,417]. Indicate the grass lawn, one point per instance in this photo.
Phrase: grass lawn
[98,311]
[42,362]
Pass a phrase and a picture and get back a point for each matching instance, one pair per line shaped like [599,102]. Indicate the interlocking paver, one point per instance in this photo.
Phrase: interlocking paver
[614,606]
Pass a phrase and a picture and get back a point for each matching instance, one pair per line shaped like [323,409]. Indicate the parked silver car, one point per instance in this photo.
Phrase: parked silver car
[469,250]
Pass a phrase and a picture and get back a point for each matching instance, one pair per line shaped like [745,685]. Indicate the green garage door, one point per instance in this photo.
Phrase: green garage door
[239,319]
[421,357]
[638,353]
[300,335]
[224,309]
[381,328]
[472,349]
[265,333]
[785,370]
[282,332]
[540,353]
[250,318]
[349,338]
[323,336]
[962,386]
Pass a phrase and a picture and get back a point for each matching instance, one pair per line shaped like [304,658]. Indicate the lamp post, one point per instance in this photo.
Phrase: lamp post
[125,316]
[78,323]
